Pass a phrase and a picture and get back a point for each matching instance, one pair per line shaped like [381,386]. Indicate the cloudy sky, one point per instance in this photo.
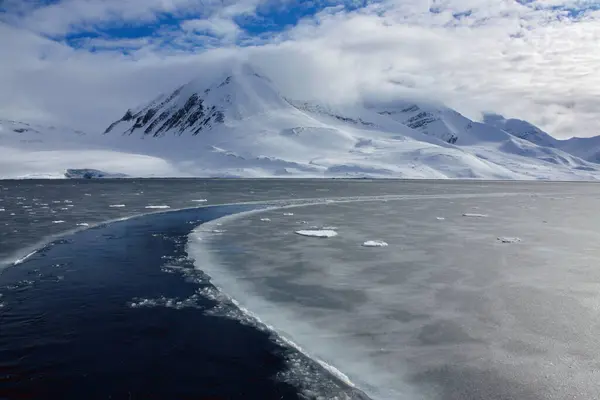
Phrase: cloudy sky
[84,62]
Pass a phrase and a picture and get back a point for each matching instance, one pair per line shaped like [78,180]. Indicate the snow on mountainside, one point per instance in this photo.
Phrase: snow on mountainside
[37,151]
[521,129]
[492,142]
[239,125]
[586,148]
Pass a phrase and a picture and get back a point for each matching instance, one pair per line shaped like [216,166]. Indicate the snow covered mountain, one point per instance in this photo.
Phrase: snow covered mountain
[240,125]
[586,148]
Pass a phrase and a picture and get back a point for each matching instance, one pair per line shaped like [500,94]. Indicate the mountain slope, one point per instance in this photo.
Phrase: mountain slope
[240,125]
[586,148]
[493,142]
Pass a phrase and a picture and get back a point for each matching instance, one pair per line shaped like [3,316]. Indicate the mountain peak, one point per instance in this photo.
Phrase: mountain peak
[521,129]
[238,93]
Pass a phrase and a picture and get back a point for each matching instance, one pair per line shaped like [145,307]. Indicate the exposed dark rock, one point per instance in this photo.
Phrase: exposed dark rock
[128,116]
[420,120]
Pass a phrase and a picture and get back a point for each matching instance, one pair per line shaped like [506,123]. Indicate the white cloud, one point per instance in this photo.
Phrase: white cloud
[220,27]
[530,62]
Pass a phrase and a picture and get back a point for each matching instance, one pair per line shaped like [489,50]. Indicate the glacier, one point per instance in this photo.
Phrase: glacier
[242,126]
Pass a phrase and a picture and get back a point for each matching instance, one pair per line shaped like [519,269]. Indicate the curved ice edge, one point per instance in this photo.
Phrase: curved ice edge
[203,230]
[23,255]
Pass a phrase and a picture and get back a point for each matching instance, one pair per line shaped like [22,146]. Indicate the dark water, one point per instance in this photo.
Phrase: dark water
[119,311]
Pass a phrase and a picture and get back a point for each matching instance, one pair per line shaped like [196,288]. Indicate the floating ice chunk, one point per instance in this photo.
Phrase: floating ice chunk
[200,201]
[475,215]
[159,207]
[318,233]
[117,205]
[83,224]
[374,243]
[288,214]
[508,239]
[265,219]
[440,218]
[60,221]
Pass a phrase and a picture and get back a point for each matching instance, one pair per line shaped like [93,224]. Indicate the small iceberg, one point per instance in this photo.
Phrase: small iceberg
[318,233]
[508,239]
[475,215]
[158,207]
[374,243]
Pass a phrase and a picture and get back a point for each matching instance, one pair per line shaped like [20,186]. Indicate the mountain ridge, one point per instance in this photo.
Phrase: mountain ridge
[240,124]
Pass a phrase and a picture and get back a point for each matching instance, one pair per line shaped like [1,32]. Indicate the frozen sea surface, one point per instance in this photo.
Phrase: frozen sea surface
[447,311]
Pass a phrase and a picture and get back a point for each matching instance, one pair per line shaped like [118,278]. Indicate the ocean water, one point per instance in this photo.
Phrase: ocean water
[203,289]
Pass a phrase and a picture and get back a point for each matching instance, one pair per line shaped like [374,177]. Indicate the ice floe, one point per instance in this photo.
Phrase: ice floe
[374,243]
[318,233]
[508,239]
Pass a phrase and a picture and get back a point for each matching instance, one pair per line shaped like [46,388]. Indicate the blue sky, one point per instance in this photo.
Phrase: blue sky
[256,22]
[531,59]
[109,25]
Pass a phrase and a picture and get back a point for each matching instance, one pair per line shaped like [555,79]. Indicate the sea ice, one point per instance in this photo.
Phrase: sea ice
[318,233]
[374,243]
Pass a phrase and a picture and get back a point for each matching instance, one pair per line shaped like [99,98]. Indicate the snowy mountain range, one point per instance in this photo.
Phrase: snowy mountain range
[241,126]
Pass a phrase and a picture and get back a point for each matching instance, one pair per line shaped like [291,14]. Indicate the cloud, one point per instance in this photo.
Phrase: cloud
[534,60]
